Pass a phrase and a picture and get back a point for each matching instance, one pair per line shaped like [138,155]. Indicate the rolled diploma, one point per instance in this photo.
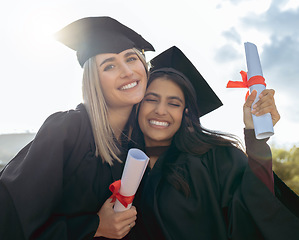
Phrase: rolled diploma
[263,125]
[133,172]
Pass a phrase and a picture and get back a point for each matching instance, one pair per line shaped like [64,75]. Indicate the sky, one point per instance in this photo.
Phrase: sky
[40,76]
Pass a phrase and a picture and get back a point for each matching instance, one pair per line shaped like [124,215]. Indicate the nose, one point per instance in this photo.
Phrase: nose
[161,109]
[126,71]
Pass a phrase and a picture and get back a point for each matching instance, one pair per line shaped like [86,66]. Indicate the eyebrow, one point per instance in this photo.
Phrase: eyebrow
[113,58]
[130,53]
[176,98]
[107,60]
[170,98]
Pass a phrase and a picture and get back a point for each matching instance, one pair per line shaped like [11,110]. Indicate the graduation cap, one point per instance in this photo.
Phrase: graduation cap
[95,35]
[173,60]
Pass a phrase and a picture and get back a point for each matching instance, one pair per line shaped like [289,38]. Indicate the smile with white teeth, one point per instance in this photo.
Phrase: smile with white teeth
[158,123]
[128,86]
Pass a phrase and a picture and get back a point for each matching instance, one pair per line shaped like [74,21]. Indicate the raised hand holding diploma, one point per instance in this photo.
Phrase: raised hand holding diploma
[254,80]
[124,190]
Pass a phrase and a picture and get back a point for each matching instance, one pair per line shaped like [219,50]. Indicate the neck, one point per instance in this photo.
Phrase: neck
[118,119]
[154,153]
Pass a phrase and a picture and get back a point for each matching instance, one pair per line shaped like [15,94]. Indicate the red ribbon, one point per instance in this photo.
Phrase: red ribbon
[124,200]
[246,83]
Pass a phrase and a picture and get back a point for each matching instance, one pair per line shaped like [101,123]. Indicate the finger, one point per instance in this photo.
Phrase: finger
[250,99]
[109,203]
[124,229]
[275,118]
[129,224]
[123,233]
[264,110]
[120,234]
[126,222]
[273,111]
[266,95]
[266,92]
[265,105]
[127,214]
[121,219]
[132,224]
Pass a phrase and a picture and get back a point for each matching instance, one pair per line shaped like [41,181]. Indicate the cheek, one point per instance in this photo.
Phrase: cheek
[141,70]
[108,78]
[104,81]
[141,117]
[106,89]
[179,117]
[144,112]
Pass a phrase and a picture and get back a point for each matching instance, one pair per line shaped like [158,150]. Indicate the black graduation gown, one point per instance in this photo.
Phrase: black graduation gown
[55,185]
[227,200]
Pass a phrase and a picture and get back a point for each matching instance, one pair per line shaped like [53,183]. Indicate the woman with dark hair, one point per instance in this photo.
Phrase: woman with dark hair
[57,187]
[201,184]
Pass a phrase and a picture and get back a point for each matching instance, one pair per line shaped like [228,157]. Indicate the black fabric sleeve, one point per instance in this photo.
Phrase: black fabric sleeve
[252,211]
[259,158]
[273,218]
[32,183]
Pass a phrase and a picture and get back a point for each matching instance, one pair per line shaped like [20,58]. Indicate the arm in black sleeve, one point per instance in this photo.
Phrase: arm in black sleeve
[259,158]
[275,219]
[33,181]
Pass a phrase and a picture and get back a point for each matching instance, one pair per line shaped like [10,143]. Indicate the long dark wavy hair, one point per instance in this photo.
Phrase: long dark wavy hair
[190,138]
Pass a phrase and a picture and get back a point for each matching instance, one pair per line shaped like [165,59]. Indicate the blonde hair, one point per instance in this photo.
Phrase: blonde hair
[93,98]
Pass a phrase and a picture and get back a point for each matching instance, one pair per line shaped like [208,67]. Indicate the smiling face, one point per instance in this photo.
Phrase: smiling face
[161,112]
[122,77]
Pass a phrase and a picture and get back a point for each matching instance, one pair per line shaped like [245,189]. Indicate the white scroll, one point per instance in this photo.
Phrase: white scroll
[133,172]
[263,125]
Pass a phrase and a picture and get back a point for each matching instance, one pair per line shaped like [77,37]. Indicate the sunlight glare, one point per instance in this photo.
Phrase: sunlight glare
[37,33]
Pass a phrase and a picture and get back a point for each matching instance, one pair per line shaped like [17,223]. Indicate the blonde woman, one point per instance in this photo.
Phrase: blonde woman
[57,186]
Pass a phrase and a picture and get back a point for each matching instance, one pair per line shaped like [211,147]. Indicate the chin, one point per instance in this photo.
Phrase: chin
[137,99]
[160,140]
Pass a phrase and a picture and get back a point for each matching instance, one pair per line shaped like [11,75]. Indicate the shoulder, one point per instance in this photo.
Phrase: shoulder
[223,159]
[67,120]
[65,125]
[229,157]
[62,119]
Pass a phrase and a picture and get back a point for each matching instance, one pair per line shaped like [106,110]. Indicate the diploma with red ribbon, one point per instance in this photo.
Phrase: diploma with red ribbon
[123,190]
[254,80]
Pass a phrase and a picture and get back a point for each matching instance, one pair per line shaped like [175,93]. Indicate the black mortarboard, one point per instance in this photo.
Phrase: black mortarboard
[95,35]
[173,60]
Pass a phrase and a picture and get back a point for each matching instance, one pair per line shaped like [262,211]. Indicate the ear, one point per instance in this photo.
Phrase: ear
[186,111]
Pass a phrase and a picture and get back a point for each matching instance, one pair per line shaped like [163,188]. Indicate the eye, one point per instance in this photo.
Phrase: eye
[131,59]
[174,104]
[108,67]
[150,100]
